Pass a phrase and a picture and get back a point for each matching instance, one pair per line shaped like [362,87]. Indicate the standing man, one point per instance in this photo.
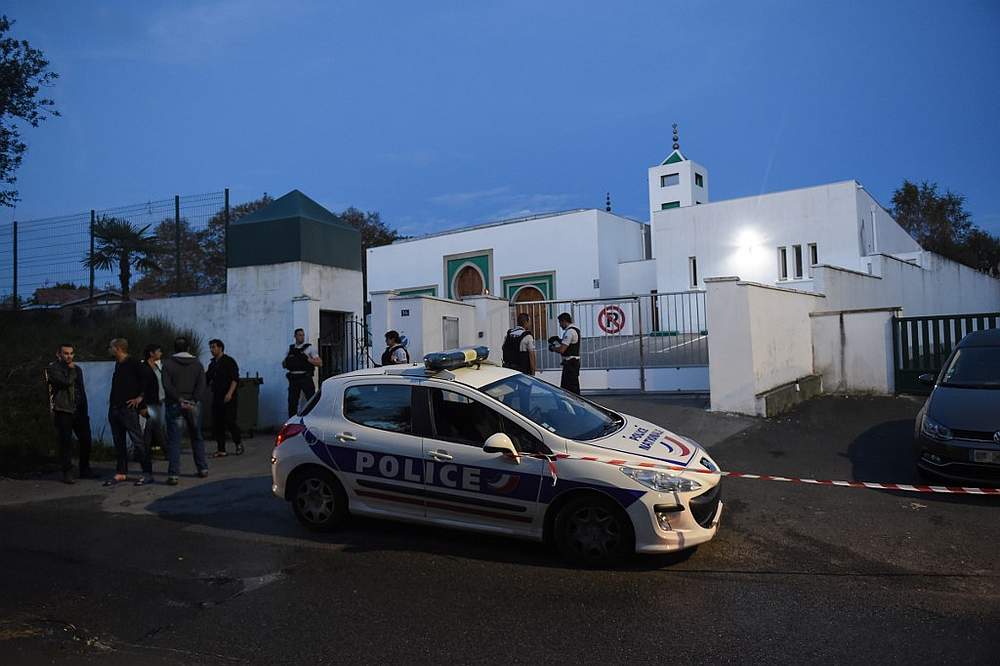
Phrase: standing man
[223,377]
[127,389]
[68,402]
[395,351]
[301,363]
[152,433]
[519,346]
[569,348]
[184,385]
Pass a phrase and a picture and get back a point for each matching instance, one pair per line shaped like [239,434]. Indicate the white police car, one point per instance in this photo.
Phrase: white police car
[468,444]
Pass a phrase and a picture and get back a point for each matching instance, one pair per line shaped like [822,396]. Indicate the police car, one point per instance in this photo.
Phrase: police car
[464,443]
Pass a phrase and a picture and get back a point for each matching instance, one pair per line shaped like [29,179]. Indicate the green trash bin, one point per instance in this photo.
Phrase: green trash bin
[247,409]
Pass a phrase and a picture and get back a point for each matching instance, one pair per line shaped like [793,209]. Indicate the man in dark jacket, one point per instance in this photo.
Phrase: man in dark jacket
[68,402]
[184,385]
[223,377]
[127,387]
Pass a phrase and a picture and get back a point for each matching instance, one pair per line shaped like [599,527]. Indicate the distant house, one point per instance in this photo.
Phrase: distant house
[47,298]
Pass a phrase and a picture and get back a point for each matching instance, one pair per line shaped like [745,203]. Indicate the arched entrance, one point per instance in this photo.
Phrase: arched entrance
[539,319]
[468,282]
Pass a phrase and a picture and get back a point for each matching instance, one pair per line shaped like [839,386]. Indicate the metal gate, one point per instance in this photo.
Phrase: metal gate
[345,347]
[655,342]
[922,344]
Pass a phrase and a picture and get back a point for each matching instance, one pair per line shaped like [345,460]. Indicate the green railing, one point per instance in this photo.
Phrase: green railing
[922,344]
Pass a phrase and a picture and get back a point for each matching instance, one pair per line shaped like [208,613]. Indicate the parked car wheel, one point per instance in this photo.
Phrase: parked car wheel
[593,531]
[318,499]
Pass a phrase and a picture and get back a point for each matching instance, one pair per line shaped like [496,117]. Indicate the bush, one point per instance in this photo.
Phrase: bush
[29,341]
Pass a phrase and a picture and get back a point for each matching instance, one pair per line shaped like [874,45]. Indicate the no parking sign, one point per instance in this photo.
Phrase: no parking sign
[611,319]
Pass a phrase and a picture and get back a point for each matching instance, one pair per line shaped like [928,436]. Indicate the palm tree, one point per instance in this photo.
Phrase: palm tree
[122,245]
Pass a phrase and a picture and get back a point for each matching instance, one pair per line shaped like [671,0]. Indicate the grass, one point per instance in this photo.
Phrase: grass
[29,341]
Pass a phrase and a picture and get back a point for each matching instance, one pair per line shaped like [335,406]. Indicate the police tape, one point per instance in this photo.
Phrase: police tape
[905,487]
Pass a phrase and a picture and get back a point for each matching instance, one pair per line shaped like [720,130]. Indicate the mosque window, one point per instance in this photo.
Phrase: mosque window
[782,263]
[698,180]
[670,179]
[670,204]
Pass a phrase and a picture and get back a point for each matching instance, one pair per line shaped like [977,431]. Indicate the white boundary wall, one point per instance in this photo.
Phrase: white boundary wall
[937,286]
[760,339]
[257,315]
[852,349]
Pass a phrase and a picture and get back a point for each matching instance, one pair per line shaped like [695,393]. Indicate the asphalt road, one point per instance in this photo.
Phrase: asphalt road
[216,571]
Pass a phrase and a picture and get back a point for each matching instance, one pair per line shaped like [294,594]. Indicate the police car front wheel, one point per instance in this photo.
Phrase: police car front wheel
[593,530]
[318,499]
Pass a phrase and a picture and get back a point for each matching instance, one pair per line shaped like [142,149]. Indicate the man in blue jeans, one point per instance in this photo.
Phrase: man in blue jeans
[123,413]
[184,387]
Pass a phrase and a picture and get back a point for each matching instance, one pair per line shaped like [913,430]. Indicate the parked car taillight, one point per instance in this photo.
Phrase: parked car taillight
[288,430]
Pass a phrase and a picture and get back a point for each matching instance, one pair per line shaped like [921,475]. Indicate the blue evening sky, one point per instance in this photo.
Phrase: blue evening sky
[441,114]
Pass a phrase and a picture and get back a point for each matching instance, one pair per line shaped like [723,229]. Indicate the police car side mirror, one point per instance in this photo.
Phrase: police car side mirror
[501,443]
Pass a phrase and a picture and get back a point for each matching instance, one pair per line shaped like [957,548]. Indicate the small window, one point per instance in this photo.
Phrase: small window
[693,271]
[698,180]
[670,179]
[782,263]
[466,421]
[381,406]
[797,257]
[813,258]
[670,204]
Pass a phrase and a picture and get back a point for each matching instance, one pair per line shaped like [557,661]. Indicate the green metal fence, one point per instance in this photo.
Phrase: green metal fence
[922,344]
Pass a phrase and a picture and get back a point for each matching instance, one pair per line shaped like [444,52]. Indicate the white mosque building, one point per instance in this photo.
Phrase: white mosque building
[776,239]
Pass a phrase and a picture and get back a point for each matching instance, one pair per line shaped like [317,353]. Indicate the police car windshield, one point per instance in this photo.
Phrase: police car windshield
[558,411]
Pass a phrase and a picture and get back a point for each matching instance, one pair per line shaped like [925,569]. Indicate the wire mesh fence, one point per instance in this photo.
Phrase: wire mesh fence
[153,249]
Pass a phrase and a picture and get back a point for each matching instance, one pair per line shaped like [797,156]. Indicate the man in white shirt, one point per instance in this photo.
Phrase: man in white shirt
[569,349]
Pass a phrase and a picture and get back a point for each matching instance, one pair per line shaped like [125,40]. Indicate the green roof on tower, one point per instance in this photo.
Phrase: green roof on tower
[676,156]
[293,228]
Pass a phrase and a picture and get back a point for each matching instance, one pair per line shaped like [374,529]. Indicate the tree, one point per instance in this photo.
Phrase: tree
[23,72]
[374,232]
[203,253]
[982,252]
[939,222]
[120,244]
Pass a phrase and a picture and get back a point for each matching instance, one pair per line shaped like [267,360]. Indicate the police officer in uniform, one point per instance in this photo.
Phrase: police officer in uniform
[395,352]
[519,347]
[568,346]
[301,363]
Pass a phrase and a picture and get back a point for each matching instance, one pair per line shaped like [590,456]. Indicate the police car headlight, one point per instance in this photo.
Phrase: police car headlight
[935,430]
[660,481]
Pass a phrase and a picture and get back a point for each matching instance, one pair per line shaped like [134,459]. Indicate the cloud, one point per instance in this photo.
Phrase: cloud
[465,198]
[192,34]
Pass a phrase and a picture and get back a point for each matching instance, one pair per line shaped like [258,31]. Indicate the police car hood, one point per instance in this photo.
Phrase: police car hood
[640,440]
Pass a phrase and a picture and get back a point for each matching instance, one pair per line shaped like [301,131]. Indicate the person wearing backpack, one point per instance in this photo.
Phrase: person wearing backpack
[519,347]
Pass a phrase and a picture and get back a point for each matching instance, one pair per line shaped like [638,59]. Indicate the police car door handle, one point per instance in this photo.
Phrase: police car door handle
[440,455]
[347,437]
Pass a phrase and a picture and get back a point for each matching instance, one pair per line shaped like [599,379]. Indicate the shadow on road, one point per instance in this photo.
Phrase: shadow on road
[247,505]
[884,454]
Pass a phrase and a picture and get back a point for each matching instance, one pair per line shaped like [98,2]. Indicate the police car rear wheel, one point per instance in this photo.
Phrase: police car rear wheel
[318,500]
[593,530]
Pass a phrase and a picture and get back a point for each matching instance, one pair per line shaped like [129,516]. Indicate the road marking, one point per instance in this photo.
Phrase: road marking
[689,342]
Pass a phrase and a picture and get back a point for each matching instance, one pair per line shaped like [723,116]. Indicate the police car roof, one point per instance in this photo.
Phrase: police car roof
[486,373]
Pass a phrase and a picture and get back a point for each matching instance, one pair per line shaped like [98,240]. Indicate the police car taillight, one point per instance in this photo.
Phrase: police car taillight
[456,358]
[288,430]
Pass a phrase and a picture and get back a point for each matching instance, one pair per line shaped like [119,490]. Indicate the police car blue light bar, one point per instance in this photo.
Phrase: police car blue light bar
[456,358]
